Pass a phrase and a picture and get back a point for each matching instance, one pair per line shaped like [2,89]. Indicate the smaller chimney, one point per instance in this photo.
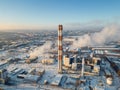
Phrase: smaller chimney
[83,62]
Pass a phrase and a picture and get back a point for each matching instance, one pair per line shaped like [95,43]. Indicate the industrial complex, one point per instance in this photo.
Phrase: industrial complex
[49,61]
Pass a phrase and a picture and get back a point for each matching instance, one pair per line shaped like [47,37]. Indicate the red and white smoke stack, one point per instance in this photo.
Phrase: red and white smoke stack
[60,28]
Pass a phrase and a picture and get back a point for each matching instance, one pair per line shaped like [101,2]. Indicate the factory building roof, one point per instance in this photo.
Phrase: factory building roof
[56,81]
[33,78]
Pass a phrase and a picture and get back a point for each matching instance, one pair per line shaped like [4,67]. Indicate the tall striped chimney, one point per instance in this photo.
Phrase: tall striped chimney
[60,28]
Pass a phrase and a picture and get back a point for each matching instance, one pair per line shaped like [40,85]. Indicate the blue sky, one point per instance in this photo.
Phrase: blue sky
[46,14]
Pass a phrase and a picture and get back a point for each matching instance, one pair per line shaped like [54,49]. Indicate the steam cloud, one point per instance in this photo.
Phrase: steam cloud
[107,34]
[41,50]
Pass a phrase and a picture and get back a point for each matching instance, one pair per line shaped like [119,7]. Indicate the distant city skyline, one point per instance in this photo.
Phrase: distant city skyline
[47,14]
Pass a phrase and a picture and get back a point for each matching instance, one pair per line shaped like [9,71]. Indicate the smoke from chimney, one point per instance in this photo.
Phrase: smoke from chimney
[107,34]
[40,51]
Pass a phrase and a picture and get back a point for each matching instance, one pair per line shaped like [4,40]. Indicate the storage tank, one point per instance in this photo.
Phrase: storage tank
[109,81]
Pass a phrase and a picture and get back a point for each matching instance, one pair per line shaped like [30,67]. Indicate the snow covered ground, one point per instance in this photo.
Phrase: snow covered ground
[50,74]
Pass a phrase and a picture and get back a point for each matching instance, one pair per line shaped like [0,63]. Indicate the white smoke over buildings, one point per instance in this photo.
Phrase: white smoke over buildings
[107,34]
[41,50]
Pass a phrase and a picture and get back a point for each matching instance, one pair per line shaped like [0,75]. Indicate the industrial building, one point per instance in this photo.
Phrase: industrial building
[31,59]
[3,76]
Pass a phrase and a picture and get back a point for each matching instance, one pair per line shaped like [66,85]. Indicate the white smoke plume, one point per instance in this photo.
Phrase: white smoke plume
[41,50]
[107,34]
